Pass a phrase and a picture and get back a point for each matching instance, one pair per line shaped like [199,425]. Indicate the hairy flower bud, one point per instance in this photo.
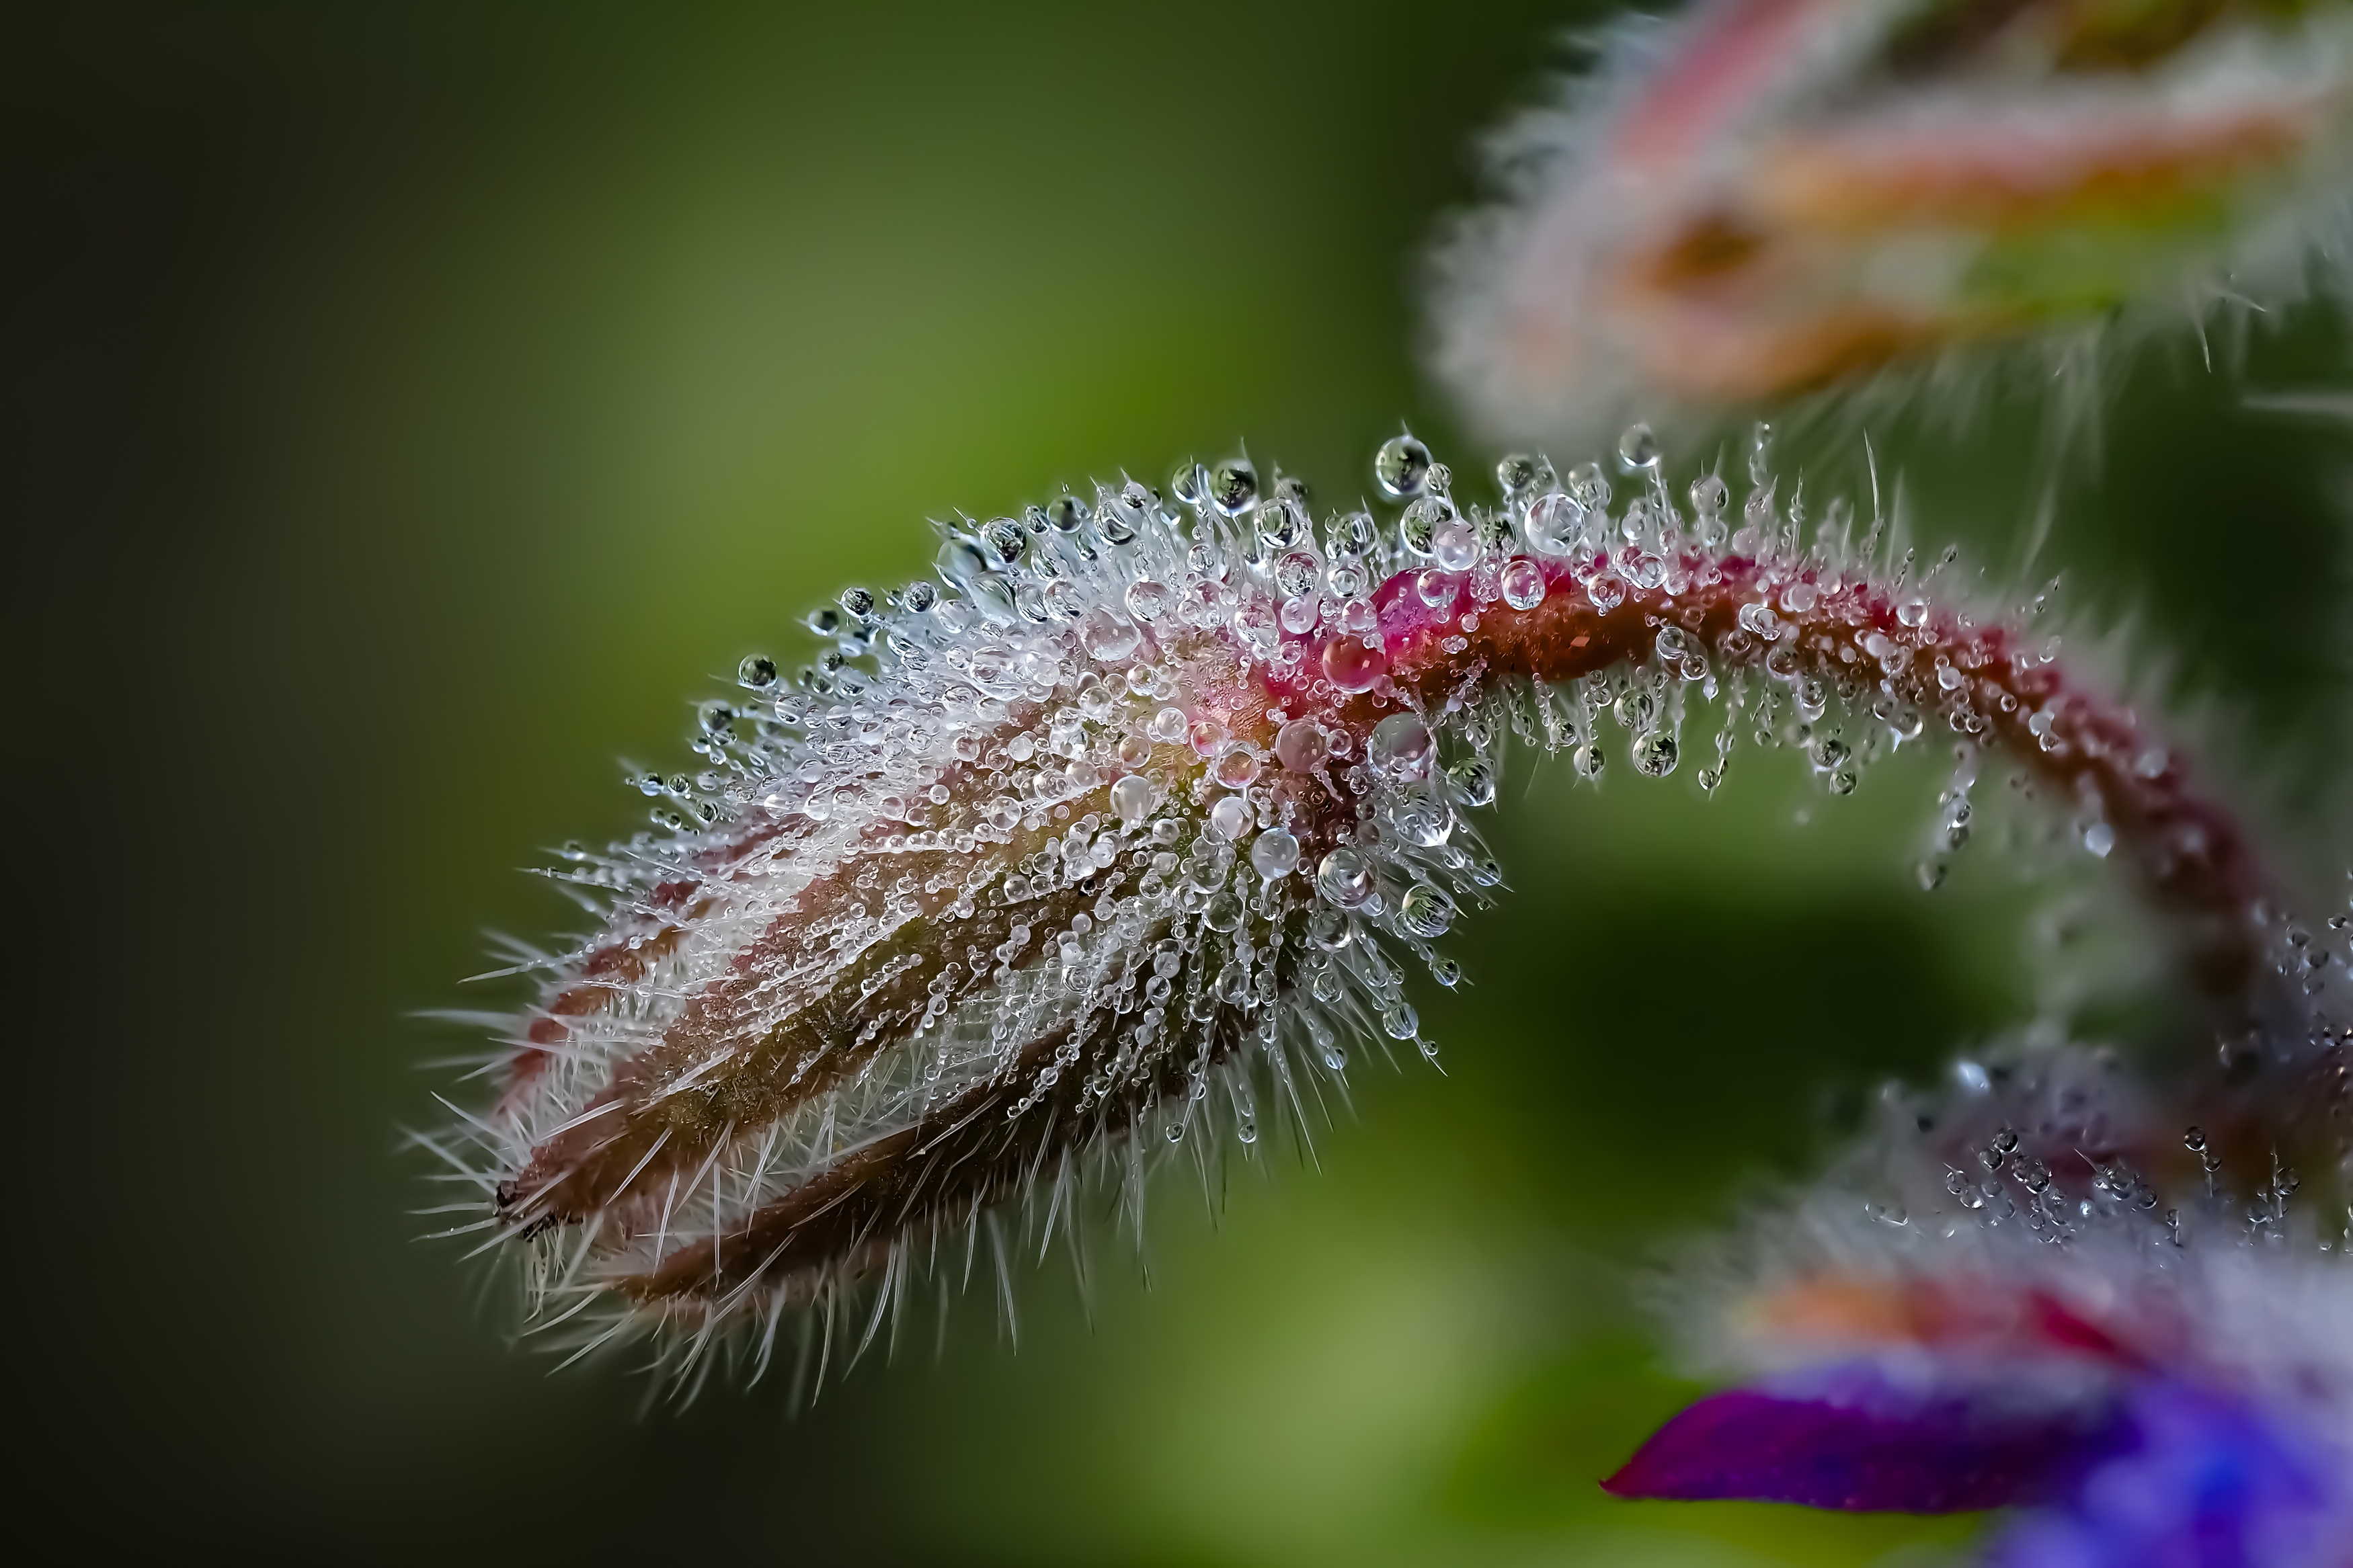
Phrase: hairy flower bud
[1135,815]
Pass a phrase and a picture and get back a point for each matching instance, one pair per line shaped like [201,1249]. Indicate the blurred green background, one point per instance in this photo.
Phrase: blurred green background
[411,407]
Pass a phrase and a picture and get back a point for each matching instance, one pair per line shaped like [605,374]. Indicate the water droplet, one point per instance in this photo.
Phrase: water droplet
[1523,584]
[1401,746]
[1585,483]
[1425,912]
[1473,781]
[1399,1022]
[1447,973]
[1169,727]
[960,561]
[992,597]
[1176,1134]
[1454,544]
[1131,799]
[1346,878]
[1638,448]
[1280,525]
[1606,590]
[2100,839]
[1417,525]
[757,672]
[1555,523]
[1233,486]
[1236,768]
[1516,472]
[1422,816]
[1351,665]
[1655,754]
[1300,746]
[1588,760]
[1148,600]
[1004,538]
[1224,913]
[1401,467]
[1230,818]
[1276,853]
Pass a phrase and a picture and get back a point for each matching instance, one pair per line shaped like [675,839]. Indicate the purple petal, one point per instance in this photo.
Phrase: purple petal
[1897,1454]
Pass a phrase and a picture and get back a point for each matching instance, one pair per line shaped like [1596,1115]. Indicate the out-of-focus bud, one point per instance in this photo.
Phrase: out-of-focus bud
[1768,197]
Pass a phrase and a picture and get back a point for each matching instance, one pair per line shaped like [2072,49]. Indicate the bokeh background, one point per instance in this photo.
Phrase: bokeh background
[411,407]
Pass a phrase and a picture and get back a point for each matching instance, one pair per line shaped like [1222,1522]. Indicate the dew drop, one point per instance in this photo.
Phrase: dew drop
[992,597]
[1233,486]
[1276,853]
[1523,584]
[1454,544]
[1656,754]
[1131,799]
[1351,665]
[1230,818]
[1401,746]
[1425,912]
[1399,1022]
[1235,769]
[1638,448]
[1401,467]
[1585,483]
[1422,816]
[1346,878]
[1473,781]
[960,561]
[1300,746]
[1148,600]
[758,672]
[1418,526]
[1555,523]
[1256,622]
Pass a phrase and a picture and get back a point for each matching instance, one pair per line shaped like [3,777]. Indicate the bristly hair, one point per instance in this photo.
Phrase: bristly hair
[1827,205]
[1123,826]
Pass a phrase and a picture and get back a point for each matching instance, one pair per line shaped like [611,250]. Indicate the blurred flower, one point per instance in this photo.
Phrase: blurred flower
[1111,840]
[2044,1288]
[1760,198]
